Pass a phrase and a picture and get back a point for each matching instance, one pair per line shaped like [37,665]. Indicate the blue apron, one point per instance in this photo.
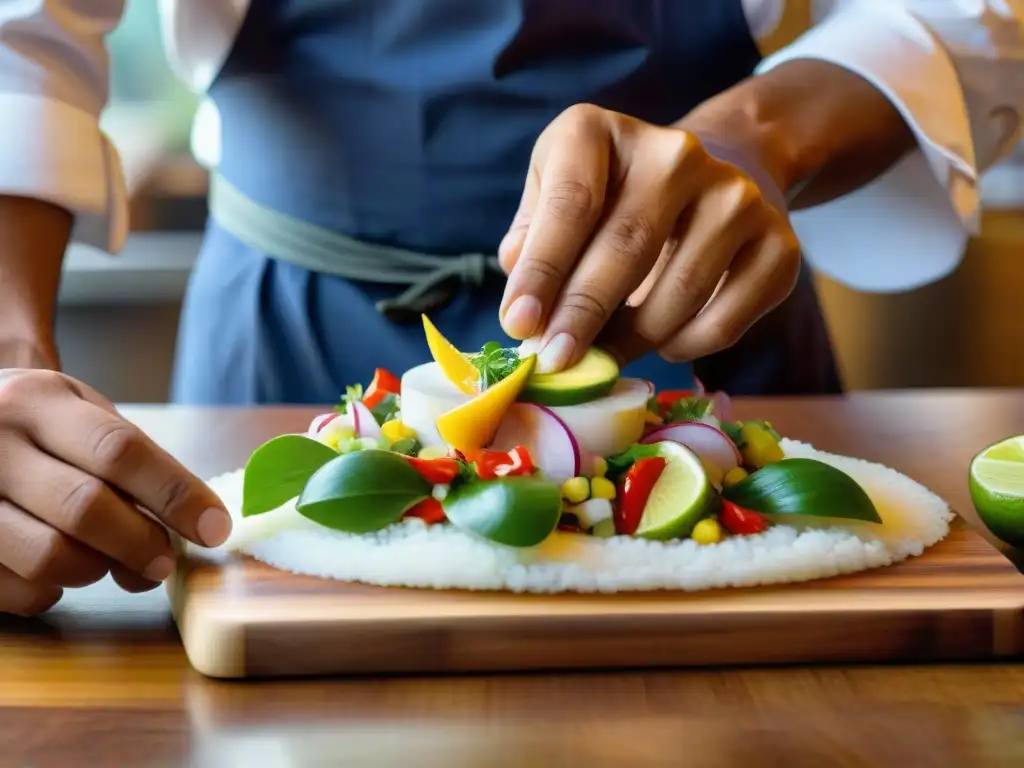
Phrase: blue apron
[410,123]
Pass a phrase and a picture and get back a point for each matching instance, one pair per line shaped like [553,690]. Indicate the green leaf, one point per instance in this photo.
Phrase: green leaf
[353,393]
[387,409]
[617,465]
[278,470]
[407,446]
[733,430]
[804,487]
[494,363]
[689,409]
[516,511]
[362,492]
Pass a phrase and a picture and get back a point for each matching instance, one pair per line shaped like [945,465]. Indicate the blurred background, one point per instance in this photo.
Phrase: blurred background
[118,318]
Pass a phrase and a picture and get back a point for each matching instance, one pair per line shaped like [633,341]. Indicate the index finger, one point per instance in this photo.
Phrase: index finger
[108,447]
[563,199]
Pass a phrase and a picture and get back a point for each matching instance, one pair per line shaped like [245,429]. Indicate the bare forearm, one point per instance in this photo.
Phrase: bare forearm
[815,126]
[33,239]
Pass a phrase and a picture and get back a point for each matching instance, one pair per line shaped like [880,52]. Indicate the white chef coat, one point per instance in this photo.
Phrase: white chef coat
[954,69]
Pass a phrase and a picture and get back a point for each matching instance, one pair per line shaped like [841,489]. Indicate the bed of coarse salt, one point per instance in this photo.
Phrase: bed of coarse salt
[412,554]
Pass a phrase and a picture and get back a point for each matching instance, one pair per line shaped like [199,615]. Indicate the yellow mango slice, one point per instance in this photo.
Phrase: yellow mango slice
[456,368]
[472,425]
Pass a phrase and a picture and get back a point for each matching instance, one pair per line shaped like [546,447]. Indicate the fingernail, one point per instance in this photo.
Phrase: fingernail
[556,353]
[159,569]
[214,527]
[530,346]
[522,317]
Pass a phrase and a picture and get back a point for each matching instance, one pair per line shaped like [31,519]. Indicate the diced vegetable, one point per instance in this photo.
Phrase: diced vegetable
[576,490]
[549,441]
[592,512]
[759,447]
[707,442]
[636,488]
[599,467]
[407,446]
[384,383]
[669,397]
[436,471]
[739,521]
[435,451]
[428,510]
[707,531]
[472,426]
[515,463]
[604,529]
[602,488]
[803,487]
[395,430]
[733,476]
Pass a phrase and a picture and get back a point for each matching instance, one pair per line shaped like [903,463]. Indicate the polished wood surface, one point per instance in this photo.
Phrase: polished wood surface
[961,600]
[103,680]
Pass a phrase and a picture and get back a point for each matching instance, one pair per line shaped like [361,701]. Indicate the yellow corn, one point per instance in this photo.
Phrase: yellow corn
[707,531]
[576,490]
[733,476]
[600,467]
[395,430]
[602,488]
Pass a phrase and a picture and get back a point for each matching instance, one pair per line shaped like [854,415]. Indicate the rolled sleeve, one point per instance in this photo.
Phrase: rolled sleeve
[54,74]
[954,71]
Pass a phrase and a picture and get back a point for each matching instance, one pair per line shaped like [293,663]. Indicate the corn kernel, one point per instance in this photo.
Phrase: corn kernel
[600,466]
[734,476]
[707,531]
[602,488]
[576,490]
[395,430]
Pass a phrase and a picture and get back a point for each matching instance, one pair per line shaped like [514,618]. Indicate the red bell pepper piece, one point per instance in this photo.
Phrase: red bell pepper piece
[428,510]
[739,521]
[436,471]
[636,489]
[493,464]
[384,383]
[670,397]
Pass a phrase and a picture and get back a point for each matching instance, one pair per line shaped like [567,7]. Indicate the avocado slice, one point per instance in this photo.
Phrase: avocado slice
[591,378]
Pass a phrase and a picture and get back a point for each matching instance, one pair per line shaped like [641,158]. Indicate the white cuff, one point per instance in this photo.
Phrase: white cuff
[908,227]
[52,151]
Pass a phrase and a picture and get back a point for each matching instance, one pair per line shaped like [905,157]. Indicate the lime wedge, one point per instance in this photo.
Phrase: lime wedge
[997,489]
[681,497]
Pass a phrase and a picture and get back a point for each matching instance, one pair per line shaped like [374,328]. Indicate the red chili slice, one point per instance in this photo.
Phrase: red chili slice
[636,489]
[384,383]
[428,510]
[739,521]
[436,471]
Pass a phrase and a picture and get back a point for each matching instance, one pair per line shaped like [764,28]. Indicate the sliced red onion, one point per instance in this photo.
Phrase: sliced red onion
[363,422]
[703,439]
[551,443]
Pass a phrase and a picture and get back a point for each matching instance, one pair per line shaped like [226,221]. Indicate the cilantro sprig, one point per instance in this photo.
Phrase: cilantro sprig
[495,363]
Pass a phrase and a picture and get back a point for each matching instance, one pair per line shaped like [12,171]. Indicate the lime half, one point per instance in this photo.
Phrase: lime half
[997,489]
[680,498]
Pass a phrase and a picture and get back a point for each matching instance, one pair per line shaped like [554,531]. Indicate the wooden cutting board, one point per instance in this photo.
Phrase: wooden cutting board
[960,600]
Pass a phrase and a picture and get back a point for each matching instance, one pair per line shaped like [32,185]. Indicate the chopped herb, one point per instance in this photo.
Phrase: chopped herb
[387,409]
[733,431]
[690,409]
[353,394]
[617,465]
[407,446]
[494,363]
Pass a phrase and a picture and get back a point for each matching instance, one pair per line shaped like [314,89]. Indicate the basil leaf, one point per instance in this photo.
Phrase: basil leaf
[804,487]
[278,470]
[515,511]
[362,492]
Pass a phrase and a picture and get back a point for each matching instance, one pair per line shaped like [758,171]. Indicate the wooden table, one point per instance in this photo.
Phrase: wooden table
[102,681]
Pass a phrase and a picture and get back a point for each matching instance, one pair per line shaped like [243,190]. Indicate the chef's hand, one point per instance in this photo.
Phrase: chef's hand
[614,209]
[71,474]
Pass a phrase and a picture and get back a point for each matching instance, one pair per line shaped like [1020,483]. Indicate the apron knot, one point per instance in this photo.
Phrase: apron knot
[439,286]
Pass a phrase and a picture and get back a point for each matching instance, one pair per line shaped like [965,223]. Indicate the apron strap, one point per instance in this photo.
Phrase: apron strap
[433,281]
